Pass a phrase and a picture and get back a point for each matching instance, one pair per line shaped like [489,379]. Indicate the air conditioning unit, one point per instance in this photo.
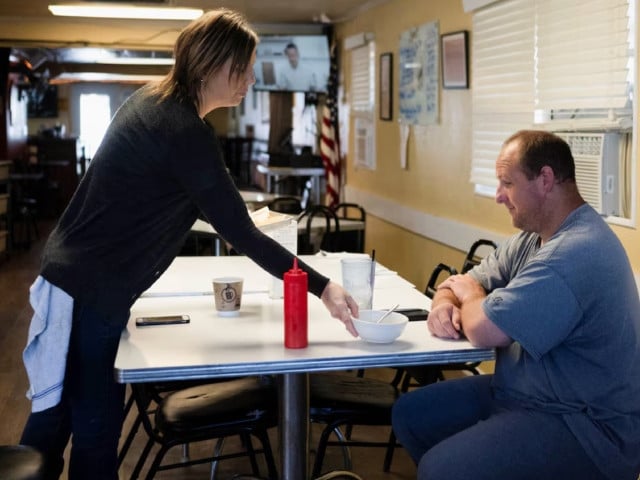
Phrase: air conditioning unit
[597,157]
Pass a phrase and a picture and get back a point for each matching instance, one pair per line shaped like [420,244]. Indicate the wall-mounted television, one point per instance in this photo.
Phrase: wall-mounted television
[292,63]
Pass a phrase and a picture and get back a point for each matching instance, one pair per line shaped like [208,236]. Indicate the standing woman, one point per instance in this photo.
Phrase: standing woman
[157,168]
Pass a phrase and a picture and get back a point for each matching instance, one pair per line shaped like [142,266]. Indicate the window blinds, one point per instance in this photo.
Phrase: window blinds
[590,70]
[502,81]
[362,105]
[552,64]
[361,79]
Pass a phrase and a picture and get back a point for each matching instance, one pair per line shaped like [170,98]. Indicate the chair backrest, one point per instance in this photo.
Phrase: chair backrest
[313,239]
[473,258]
[286,204]
[430,289]
[351,240]
[350,211]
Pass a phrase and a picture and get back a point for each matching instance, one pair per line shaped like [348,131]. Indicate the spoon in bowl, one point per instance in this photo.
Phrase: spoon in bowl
[387,313]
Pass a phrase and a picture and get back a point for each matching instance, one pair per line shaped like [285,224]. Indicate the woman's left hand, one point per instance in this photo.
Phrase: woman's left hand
[341,305]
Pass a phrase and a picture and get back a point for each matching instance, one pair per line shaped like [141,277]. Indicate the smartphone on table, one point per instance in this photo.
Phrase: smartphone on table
[162,320]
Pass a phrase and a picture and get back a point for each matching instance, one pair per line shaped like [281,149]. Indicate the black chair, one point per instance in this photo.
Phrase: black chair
[434,279]
[245,407]
[154,394]
[25,188]
[351,240]
[311,240]
[344,401]
[286,204]
[473,258]
[20,462]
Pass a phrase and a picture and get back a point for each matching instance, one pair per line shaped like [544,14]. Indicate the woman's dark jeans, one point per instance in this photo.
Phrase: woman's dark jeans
[91,410]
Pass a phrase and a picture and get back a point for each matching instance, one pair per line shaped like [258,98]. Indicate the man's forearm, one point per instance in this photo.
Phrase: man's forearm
[468,295]
[445,295]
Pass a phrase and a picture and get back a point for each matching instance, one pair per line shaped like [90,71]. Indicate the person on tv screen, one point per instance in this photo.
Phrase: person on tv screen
[293,76]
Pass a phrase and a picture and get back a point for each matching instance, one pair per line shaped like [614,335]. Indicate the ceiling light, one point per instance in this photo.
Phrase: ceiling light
[71,77]
[125,11]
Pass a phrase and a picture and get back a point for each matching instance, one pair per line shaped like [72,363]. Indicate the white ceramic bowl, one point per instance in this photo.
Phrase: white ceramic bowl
[385,332]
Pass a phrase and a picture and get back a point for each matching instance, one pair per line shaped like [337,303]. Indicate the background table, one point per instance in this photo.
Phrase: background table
[202,228]
[274,174]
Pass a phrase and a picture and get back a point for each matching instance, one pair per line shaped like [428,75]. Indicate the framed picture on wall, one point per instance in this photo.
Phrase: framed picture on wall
[386,86]
[455,60]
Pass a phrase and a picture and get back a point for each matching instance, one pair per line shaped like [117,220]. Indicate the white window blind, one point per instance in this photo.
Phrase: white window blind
[362,104]
[548,64]
[362,79]
[584,83]
[502,81]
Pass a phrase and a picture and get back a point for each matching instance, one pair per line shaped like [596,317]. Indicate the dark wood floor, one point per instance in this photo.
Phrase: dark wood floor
[18,271]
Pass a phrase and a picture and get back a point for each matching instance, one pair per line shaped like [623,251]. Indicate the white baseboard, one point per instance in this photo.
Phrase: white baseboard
[446,231]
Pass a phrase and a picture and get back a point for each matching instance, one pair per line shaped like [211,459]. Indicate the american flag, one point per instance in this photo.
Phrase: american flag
[329,141]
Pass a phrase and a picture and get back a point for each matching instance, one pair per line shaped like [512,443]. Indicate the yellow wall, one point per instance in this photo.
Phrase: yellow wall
[436,180]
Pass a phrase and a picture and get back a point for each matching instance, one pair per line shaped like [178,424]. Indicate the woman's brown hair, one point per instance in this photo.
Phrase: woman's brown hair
[203,48]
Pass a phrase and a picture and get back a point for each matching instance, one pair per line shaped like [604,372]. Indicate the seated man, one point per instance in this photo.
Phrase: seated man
[559,302]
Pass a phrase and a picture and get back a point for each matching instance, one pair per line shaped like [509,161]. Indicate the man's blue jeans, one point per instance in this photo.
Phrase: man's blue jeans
[456,429]
[91,410]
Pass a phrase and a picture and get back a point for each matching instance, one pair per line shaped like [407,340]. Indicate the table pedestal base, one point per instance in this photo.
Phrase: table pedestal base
[294,425]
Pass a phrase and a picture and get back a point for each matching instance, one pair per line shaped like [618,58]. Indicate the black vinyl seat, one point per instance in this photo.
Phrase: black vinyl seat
[20,462]
[246,407]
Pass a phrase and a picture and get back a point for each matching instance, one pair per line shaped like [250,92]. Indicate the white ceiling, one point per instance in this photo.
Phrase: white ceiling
[31,21]
[57,43]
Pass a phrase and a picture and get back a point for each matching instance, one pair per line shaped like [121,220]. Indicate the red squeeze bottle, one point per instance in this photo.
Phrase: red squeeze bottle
[295,307]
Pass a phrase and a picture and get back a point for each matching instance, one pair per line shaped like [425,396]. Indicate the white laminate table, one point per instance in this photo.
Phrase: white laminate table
[188,276]
[253,344]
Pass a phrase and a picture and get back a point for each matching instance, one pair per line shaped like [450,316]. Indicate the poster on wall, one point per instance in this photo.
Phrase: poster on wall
[419,81]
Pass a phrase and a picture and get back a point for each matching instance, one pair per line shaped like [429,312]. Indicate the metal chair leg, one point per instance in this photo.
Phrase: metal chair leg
[217,450]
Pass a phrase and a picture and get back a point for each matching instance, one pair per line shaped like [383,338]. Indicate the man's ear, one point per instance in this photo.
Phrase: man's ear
[547,177]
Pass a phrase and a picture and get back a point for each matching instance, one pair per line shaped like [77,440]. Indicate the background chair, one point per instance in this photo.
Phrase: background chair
[26,184]
[246,407]
[344,401]
[473,257]
[155,392]
[316,238]
[434,279]
[351,240]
